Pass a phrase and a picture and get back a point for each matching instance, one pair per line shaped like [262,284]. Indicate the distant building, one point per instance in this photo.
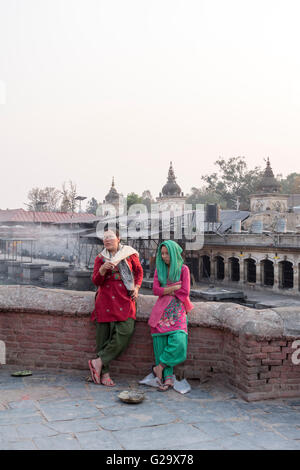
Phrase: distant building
[171,196]
[270,209]
[112,198]
[261,251]
[13,217]
[268,197]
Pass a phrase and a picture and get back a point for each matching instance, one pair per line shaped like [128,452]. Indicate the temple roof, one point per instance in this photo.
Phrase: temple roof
[113,195]
[171,188]
[268,183]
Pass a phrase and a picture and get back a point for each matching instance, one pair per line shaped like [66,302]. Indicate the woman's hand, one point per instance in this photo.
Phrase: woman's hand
[135,293]
[106,267]
[171,289]
[177,287]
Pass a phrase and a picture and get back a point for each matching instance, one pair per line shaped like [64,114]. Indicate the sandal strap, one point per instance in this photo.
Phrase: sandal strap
[107,380]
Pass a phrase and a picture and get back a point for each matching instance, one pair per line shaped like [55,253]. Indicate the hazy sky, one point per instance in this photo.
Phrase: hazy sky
[92,89]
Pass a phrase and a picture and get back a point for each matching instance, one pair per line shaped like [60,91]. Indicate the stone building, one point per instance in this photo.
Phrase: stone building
[263,251]
[269,208]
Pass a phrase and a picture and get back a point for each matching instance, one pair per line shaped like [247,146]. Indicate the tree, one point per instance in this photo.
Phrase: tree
[49,195]
[65,204]
[133,198]
[52,196]
[92,205]
[34,196]
[233,180]
[291,184]
[69,195]
[203,196]
[53,199]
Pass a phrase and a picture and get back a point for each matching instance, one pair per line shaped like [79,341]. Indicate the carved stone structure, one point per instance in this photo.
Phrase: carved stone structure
[268,262]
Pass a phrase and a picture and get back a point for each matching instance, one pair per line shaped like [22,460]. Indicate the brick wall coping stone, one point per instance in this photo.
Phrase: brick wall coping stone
[270,323]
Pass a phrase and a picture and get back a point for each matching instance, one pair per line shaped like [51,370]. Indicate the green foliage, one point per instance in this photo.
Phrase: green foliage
[146,199]
[232,181]
[291,184]
[92,205]
[203,196]
[133,198]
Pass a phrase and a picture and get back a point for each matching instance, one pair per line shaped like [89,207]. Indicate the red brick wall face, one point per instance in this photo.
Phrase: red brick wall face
[257,369]
[46,340]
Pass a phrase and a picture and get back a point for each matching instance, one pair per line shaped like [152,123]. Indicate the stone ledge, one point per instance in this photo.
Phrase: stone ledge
[282,322]
[31,299]
[250,350]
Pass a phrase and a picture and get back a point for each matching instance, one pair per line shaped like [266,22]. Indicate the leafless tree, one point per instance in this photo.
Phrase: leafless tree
[48,195]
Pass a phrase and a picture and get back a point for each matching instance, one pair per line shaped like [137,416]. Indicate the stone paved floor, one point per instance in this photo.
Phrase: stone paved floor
[61,410]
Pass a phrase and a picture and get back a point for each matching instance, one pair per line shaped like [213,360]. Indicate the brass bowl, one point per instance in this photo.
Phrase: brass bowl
[131,396]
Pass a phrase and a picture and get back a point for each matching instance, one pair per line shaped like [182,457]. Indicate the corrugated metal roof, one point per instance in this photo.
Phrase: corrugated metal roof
[227,217]
[21,215]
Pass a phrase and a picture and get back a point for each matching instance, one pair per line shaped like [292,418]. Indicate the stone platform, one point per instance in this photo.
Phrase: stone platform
[60,410]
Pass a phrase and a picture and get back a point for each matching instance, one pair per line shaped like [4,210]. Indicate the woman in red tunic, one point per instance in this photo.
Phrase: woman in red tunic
[118,275]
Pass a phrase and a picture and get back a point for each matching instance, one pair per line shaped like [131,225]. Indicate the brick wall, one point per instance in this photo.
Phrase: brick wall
[256,365]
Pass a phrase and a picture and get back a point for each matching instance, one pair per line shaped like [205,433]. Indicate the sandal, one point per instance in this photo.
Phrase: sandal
[168,383]
[164,387]
[107,381]
[94,373]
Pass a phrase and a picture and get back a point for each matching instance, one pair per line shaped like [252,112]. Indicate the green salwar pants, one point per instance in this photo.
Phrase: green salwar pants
[111,340]
[169,350]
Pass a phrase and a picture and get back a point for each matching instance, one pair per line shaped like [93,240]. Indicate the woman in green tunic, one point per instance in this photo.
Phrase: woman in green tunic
[168,319]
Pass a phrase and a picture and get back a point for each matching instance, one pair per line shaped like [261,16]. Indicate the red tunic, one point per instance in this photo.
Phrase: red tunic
[112,300]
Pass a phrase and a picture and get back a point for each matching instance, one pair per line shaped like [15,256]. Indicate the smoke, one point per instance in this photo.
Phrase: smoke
[50,243]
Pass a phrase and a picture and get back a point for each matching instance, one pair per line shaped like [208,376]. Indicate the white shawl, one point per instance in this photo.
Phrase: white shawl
[123,252]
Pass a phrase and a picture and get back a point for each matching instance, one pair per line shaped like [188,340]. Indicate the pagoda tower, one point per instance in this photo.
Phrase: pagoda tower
[268,196]
[171,196]
[115,199]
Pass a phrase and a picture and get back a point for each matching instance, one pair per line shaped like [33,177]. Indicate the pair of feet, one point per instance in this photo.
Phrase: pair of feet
[163,386]
[95,366]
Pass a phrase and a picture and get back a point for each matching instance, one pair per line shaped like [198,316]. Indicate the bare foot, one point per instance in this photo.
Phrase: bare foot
[158,371]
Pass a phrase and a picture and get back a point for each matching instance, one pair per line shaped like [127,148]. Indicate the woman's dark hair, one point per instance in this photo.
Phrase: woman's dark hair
[116,230]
